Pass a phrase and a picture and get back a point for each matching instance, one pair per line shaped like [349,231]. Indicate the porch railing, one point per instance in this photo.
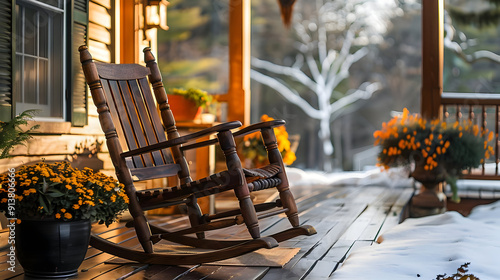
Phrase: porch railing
[482,109]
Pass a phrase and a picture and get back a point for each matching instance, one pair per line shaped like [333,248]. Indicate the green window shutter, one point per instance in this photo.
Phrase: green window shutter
[78,37]
[7,56]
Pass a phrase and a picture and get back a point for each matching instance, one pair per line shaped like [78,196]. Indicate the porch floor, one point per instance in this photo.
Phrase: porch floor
[345,218]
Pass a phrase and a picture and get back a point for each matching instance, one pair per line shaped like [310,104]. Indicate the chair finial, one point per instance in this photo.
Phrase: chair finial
[148,55]
[84,54]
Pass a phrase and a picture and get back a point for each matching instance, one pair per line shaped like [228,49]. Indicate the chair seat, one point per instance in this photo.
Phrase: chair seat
[264,172]
[257,179]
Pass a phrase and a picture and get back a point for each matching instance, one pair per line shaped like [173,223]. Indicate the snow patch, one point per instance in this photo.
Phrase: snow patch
[422,248]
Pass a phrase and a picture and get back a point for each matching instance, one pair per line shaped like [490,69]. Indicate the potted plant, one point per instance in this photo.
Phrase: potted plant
[51,207]
[187,105]
[254,152]
[437,151]
[12,135]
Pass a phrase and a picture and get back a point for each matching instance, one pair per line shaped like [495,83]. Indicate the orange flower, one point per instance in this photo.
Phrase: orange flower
[475,130]
[424,153]
[64,189]
[408,135]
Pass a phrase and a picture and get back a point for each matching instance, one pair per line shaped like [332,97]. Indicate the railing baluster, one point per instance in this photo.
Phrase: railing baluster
[470,101]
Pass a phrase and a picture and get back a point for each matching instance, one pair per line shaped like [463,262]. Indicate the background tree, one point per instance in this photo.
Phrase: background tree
[329,38]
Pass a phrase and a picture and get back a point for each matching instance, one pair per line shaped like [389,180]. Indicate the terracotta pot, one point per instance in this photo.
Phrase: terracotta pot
[51,249]
[183,109]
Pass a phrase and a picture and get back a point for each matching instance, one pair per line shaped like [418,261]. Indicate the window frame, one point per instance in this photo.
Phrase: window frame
[62,106]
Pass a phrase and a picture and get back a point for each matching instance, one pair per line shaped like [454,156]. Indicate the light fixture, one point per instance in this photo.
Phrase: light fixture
[155,14]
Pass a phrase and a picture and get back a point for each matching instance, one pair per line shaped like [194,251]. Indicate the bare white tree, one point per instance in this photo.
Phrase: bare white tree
[329,41]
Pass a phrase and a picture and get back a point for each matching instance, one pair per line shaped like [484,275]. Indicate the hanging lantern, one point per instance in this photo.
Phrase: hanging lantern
[155,14]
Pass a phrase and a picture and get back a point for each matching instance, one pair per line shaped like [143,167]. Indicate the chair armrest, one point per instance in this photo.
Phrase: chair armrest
[247,130]
[183,139]
[258,126]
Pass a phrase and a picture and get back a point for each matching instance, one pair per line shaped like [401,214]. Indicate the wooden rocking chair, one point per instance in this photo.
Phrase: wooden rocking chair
[141,150]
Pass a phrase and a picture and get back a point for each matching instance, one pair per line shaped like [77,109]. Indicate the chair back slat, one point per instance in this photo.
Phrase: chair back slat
[134,123]
[140,90]
[155,119]
[113,96]
[113,108]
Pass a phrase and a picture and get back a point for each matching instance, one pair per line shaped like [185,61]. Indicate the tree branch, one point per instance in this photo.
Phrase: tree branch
[313,67]
[344,70]
[355,96]
[286,93]
[291,72]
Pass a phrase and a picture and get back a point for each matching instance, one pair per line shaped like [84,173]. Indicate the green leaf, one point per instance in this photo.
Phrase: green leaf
[55,194]
[42,203]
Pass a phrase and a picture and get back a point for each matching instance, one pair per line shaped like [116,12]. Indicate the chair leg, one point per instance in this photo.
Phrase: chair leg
[248,212]
[141,225]
[194,214]
[289,202]
[143,233]
[241,191]
[274,157]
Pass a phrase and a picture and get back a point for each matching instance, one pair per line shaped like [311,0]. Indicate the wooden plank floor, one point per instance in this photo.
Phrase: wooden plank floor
[345,217]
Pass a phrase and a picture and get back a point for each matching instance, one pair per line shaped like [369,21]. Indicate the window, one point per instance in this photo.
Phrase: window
[40,65]
[471,47]
[194,53]
[39,75]
[37,68]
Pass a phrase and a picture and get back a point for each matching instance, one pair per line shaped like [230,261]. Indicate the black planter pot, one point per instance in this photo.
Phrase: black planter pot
[51,249]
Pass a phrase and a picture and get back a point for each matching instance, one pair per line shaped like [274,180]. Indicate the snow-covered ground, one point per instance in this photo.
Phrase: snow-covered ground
[395,177]
[420,248]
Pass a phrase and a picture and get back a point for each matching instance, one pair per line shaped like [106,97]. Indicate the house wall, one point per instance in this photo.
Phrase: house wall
[56,141]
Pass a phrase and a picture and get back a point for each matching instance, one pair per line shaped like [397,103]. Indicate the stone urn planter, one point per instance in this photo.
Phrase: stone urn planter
[431,199]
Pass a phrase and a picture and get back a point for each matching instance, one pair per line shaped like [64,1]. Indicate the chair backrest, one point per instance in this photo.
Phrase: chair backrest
[133,110]
[128,112]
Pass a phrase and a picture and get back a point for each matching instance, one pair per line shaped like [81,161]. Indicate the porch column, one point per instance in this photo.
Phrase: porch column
[432,57]
[238,97]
